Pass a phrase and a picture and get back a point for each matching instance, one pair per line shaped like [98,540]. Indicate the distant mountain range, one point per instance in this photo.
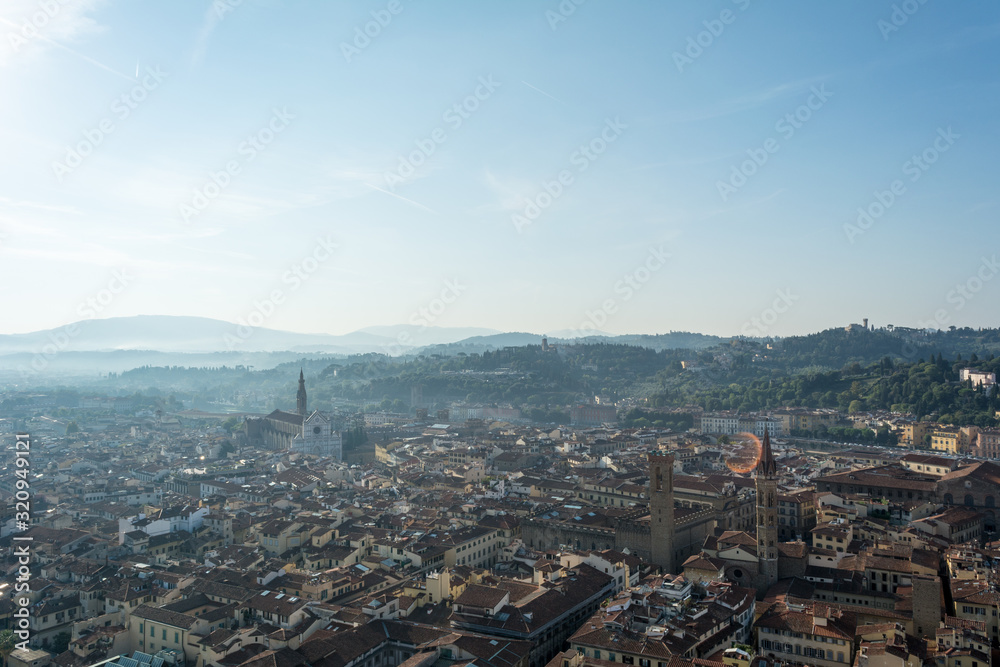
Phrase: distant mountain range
[199,335]
[94,348]
[120,343]
[427,335]
[164,333]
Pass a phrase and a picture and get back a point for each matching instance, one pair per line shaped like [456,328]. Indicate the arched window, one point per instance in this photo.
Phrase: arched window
[969,500]
[948,499]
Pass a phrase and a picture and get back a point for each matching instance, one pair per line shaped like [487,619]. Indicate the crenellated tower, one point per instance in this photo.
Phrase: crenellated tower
[661,510]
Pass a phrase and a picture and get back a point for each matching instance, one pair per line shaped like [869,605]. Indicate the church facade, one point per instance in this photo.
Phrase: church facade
[300,431]
[753,560]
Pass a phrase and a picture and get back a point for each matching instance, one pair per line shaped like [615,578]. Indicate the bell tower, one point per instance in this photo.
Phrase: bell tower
[767,516]
[300,397]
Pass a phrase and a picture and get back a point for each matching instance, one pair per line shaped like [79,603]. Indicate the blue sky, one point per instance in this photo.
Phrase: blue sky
[318,227]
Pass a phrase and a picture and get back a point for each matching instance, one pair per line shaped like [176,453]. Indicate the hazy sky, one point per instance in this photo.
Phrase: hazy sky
[532,166]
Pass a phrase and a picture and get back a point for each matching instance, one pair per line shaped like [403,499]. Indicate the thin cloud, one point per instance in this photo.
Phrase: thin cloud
[87,59]
[511,193]
[691,162]
[66,21]
[749,203]
[21,203]
[748,101]
[408,201]
[543,92]
[213,17]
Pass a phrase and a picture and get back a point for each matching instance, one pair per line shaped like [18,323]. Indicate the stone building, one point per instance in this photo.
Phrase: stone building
[659,532]
[729,496]
[976,486]
[296,431]
[756,559]
[661,510]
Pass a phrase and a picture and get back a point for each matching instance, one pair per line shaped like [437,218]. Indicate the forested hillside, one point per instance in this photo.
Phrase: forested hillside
[856,370]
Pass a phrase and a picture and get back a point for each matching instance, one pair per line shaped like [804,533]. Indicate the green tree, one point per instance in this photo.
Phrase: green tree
[61,642]
[232,424]
[71,428]
[354,437]
[7,641]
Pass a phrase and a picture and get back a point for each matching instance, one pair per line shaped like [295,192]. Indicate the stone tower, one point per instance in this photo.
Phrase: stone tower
[300,397]
[767,516]
[927,605]
[661,510]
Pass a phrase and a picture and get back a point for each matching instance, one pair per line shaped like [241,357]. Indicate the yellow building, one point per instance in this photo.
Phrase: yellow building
[947,439]
[815,636]
[438,586]
[383,453]
[278,536]
[953,439]
[153,629]
[975,601]
[962,643]
[835,535]
[912,434]
[475,546]
[968,437]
